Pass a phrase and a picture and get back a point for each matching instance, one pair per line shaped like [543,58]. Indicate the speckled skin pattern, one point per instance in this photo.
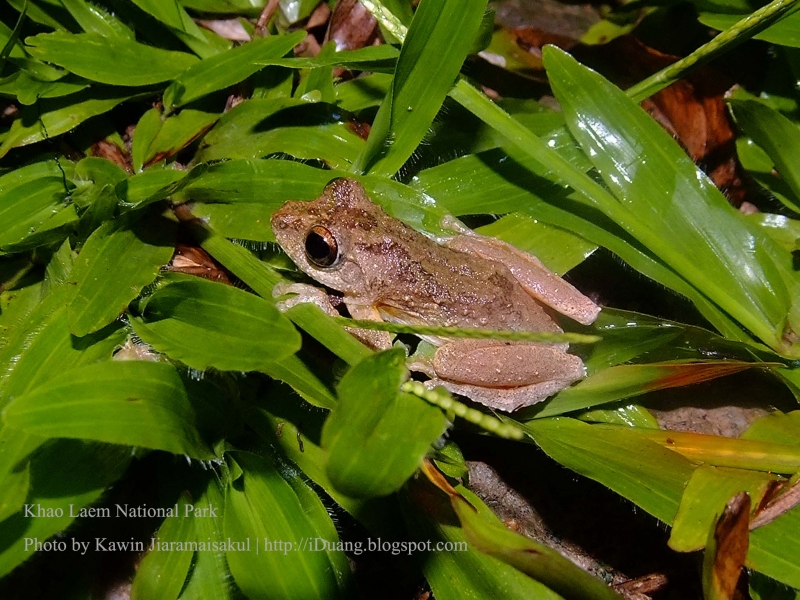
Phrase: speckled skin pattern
[386,270]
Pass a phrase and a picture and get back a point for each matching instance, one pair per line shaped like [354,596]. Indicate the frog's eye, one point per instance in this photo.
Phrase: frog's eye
[322,249]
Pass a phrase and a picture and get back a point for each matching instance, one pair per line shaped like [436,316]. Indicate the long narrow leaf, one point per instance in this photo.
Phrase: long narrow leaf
[437,43]
[678,212]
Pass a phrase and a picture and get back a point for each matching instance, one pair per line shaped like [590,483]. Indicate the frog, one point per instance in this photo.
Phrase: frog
[384,270]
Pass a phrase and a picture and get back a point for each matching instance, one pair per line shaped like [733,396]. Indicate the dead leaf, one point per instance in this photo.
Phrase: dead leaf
[532,40]
[727,549]
[777,506]
[681,375]
[110,151]
[692,110]
[230,29]
[319,17]
[192,260]
[309,47]
[351,26]
[642,587]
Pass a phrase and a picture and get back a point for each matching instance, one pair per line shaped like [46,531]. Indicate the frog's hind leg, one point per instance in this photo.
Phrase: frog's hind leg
[535,278]
[507,400]
[504,375]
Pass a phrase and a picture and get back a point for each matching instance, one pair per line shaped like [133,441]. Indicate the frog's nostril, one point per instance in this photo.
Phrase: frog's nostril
[281,220]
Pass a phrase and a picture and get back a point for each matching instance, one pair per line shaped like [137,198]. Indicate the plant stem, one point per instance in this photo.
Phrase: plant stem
[742,31]
[386,18]
[441,398]
[470,332]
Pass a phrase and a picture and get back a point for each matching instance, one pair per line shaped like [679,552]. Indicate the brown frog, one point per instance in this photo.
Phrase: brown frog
[387,271]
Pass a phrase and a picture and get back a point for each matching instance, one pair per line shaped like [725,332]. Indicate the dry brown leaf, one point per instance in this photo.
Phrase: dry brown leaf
[351,26]
[726,552]
[692,110]
[110,151]
[192,260]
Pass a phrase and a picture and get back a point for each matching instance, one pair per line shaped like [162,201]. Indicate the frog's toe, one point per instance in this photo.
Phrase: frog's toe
[509,399]
[303,293]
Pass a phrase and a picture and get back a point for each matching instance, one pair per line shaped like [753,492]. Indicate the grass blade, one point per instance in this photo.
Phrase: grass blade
[433,51]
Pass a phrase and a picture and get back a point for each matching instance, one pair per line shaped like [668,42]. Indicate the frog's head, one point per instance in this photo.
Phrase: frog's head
[320,236]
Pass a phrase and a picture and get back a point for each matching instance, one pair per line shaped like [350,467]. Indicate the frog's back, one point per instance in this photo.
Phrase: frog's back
[443,286]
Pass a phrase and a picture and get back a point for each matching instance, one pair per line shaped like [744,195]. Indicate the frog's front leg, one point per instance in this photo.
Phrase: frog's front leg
[504,375]
[304,293]
[534,277]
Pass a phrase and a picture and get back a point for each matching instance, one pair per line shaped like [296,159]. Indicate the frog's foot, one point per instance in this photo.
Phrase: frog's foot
[505,375]
[422,364]
[304,293]
[507,400]
[450,223]
[535,278]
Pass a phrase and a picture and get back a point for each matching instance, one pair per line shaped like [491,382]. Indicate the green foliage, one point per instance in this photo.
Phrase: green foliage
[134,403]
[371,407]
[106,360]
[164,573]
[117,261]
[204,324]
[262,503]
[116,62]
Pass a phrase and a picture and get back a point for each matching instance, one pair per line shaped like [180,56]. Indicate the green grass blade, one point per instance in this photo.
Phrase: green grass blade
[489,535]
[42,347]
[433,52]
[93,18]
[161,574]
[170,12]
[27,206]
[52,117]
[177,132]
[71,474]
[705,496]
[785,32]
[777,135]
[226,69]
[739,31]
[628,381]
[333,143]
[674,206]
[638,469]
[209,575]
[455,575]
[302,449]
[294,372]
[146,130]
[109,61]
[148,186]
[261,506]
